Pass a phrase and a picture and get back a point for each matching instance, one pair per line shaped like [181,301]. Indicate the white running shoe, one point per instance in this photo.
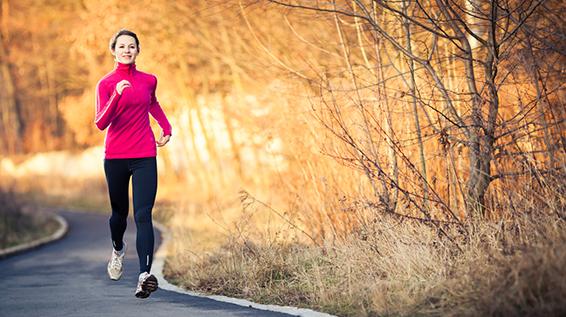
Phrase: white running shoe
[115,265]
[147,283]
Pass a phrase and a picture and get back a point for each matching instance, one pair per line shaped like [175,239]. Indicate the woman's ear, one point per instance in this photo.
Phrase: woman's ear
[114,54]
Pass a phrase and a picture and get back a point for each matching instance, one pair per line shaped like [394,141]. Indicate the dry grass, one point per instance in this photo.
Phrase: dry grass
[512,267]
[21,223]
[87,194]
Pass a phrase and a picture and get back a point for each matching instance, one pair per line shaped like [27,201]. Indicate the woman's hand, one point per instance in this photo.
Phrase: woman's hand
[121,85]
[163,139]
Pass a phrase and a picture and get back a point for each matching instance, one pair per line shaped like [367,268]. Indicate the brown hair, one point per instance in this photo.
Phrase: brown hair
[114,38]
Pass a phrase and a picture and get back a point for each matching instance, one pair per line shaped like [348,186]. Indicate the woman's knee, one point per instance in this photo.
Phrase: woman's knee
[143,214]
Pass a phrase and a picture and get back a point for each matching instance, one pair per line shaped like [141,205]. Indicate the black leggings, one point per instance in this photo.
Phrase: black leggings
[144,187]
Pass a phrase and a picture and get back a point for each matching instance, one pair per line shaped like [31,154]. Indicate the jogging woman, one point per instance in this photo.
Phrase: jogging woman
[125,98]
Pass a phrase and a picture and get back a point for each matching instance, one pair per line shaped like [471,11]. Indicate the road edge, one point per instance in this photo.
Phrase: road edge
[58,234]
[158,266]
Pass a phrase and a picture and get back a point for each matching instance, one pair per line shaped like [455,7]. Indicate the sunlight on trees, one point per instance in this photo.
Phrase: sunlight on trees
[432,110]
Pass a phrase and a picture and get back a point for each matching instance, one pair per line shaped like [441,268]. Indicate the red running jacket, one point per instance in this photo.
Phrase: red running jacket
[129,133]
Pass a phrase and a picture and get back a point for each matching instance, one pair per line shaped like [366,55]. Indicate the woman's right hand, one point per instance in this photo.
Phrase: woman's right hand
[121,85]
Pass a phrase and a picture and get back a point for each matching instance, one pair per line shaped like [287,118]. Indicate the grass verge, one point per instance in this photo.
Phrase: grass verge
[513,267]
[20,223]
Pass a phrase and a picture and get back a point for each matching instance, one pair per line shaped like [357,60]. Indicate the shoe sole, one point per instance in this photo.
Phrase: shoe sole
[148,286]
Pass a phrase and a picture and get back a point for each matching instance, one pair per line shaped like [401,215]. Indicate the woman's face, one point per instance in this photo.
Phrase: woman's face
[126,49]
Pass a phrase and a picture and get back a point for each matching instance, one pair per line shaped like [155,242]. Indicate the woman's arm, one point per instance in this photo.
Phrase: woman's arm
[157,112]
[106,104]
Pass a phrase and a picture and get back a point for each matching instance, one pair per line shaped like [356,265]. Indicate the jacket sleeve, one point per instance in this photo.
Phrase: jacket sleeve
[106,104]
[157,112]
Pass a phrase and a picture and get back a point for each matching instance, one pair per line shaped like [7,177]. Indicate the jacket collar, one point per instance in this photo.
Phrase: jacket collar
[125,68]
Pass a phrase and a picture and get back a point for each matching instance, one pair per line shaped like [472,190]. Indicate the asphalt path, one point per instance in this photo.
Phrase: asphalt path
[68,278]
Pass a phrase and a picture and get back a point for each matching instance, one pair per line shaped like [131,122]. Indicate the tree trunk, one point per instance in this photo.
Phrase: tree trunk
[236,81]
[481,152]
[392,156]
[542,102]
[203,177]
[412,89]
[10,119]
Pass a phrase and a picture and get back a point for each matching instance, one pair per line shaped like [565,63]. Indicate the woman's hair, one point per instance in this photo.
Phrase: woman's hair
[114,38]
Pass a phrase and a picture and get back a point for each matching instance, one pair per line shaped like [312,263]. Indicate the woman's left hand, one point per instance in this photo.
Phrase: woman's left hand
[163,139]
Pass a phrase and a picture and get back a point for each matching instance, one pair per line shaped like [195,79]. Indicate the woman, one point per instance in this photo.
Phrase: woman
[124,99]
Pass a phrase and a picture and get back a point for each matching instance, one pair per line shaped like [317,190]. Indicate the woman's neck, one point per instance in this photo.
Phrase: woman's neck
[125,68]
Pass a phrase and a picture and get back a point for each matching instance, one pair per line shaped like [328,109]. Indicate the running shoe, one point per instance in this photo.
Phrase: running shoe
[115,265]
[147,283]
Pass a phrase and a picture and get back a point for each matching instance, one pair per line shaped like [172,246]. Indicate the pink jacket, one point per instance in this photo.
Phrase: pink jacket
[129,133]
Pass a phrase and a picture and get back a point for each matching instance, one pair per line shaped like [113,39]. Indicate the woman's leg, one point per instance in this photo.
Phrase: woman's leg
[118,180]
[144,188]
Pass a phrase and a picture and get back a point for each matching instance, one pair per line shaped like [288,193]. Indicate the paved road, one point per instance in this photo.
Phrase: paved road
[68,278]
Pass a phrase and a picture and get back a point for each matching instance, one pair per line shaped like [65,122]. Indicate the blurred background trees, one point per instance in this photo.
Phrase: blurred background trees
[433,109]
